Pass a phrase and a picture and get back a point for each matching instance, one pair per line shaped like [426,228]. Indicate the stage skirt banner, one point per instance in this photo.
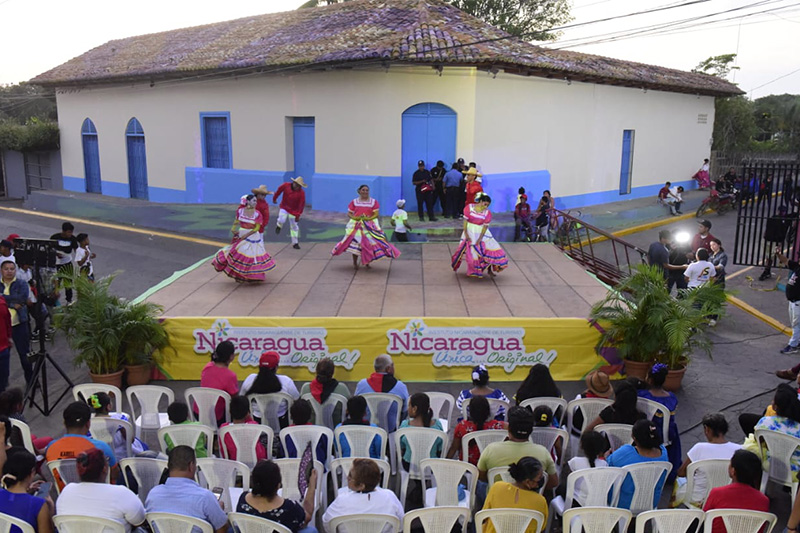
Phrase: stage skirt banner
[423,349]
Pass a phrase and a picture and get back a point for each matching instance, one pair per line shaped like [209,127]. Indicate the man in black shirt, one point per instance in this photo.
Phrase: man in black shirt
[774,236]
[423,184]
[793,295]
[65,249]
[437,174]
[659,254]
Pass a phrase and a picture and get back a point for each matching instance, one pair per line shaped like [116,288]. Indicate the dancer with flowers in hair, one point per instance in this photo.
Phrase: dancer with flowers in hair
[481,250]
[245,259]
[655,381]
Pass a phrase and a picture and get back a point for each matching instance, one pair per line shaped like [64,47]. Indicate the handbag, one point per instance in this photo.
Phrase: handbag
[426,187]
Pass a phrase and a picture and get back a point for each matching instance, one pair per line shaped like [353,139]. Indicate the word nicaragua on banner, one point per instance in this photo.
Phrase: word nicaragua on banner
[296,346]
[467,346]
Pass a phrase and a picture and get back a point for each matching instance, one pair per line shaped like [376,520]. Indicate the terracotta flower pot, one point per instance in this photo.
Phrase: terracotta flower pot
[674,379]
[115,378]
[635,369]
[138,374]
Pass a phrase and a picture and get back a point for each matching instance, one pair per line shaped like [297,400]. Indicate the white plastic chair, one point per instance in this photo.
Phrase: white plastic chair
[422,443]
[742,521]
[617,434]
[104,428]
[596,520]
[341,467]
[671,520]
[205,400]
[647,478]
[66,470]
[446,476]
[549,437]
[302,436]
[323,412]
[365,523]
[25,434]
[777,450]
[247,523]
[290,470]
[442,405]
[86,524]
[590,409]
[6,521]
[359,439]
[147,399]
[268,406]
[501,473]
[590,487]
[379,406]
[177,523]
[716,475]
[495,408]
[145,471]
[438,520]
[83,391]
[509,520]
[481,439]
[186,435]
[656,411]
[557,405]
[214,473]
[246,438]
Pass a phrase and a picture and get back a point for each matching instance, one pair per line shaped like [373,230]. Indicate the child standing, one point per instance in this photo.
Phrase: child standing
[542,221]
[84,256]
[400,221]
[522,219]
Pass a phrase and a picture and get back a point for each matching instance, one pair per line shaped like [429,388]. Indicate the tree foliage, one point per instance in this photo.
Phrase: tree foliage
[734,124]
[27,118]
[33,135]
[527,19]
[719,66]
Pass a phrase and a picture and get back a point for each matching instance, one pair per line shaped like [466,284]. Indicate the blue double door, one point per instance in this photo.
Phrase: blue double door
[429,134]
[305,153]
[137,160]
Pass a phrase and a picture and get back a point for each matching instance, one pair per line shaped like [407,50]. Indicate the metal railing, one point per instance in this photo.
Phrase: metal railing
[601,253]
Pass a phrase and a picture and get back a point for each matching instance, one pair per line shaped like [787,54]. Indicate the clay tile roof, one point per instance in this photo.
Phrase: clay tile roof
[359,33]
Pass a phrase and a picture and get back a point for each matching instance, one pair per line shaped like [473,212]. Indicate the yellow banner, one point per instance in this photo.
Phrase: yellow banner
[423,349]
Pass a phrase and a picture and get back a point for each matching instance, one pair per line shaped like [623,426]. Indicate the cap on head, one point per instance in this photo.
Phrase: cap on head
[400,203]
[706,223]
[13,237]
[77,414]
[269,360]
[420,163]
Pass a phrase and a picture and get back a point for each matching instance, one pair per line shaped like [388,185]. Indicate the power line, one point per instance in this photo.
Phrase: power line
[773,81]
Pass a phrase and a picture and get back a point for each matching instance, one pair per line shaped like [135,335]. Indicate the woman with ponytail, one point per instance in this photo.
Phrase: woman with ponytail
[521,494]
[324,384]
[420,415]
[16,495]
[655,381]
[647,447]
[479,419]
[783,416]
[480,387]
[267,381]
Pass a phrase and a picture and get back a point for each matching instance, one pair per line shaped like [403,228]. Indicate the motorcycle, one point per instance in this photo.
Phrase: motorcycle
[720,204]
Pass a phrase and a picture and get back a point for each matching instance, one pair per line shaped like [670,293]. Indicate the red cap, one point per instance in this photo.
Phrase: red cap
[269,360]
[12,237]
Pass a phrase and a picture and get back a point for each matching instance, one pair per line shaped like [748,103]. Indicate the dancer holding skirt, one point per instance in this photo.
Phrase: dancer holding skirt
[477,245]
[245,259]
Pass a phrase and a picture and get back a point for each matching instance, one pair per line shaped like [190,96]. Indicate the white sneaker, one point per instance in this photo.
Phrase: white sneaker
[712,322]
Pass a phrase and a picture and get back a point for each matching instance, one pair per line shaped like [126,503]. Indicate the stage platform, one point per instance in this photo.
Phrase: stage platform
[540,281]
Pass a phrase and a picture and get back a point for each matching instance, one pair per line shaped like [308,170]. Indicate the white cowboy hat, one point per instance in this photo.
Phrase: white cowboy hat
[299,180]
[262,189]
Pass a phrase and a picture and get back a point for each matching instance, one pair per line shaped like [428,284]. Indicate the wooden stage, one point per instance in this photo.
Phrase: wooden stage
[540,281]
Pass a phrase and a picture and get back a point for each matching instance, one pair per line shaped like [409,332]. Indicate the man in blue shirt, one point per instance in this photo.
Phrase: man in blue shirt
[383,380]
[452,181]
[182,495]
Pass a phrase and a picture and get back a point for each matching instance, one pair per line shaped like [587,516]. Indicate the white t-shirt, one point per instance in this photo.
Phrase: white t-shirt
[705,167]
[82,252]
[582,463]
[287,386]
[398,218]
[678,197]
[708,450]
[102,500]
[699,273]
[379,501]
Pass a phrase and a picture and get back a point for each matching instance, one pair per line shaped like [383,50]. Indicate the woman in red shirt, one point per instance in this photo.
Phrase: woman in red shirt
[217,375]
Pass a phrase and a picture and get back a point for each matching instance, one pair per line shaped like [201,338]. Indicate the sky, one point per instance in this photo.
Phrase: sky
[38,35]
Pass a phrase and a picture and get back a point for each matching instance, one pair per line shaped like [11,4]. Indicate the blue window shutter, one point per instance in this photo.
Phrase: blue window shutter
[217,142]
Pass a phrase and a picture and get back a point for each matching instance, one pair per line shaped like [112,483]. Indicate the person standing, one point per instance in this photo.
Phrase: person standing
[481,249]
[65,249]
[5,344]
[15,293]
[775,234]
[720,260]
[473,187]
[701,271]
[262,206]
[84,256]
[703,236]
[423,185]
[400,221]
[658,254]
[793,295]
[452,193]
[293,202]
[437,174]
[246,259]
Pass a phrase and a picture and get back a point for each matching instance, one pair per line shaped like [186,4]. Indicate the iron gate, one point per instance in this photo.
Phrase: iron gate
[762,226]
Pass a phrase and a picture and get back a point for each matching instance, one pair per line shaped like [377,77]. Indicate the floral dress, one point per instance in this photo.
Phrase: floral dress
[487,254]
[290,514]
[365,237]
[468,426]
[245,259]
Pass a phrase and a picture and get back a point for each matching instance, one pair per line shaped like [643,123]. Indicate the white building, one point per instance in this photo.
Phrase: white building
[358,92]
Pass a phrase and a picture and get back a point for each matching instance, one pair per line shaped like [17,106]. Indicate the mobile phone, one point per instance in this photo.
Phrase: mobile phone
[217,492]
[44,490]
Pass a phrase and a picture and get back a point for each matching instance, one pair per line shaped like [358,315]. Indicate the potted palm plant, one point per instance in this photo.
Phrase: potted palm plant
[645,324]
[106,331]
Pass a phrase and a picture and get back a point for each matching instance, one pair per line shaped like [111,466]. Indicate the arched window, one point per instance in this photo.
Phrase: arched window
[91,157]
[137,159]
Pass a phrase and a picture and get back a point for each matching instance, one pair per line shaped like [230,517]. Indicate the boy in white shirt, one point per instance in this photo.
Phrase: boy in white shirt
[400,221]
[699,272]
[84,256]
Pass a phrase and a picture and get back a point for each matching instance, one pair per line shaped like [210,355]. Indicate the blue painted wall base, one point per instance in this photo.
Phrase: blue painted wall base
[606,197]
[503,188]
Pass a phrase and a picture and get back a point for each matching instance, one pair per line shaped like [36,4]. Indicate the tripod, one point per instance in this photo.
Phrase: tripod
[37,252]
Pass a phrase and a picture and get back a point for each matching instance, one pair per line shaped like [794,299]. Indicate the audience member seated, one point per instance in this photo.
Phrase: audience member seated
[12,405]
[240,414]
[647,446]
[420,415]
[622,411]
[363,495]
[182,495]
[77,418]
[101,403]
[480,387]
[520,426]
[655,392]
[96,498]
[178,413]
[263,500]
[543,418]
[784,417]
[598,385]
[479,419]
[594,447]
[715,428]
[539,383]
[356,415]
[383,380]
[324,384]
[301,412]
[522,494]
[743,491]
[18,473]
[217,375]
[267,381]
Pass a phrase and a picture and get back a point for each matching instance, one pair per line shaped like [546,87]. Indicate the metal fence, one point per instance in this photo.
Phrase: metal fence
[768,206]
